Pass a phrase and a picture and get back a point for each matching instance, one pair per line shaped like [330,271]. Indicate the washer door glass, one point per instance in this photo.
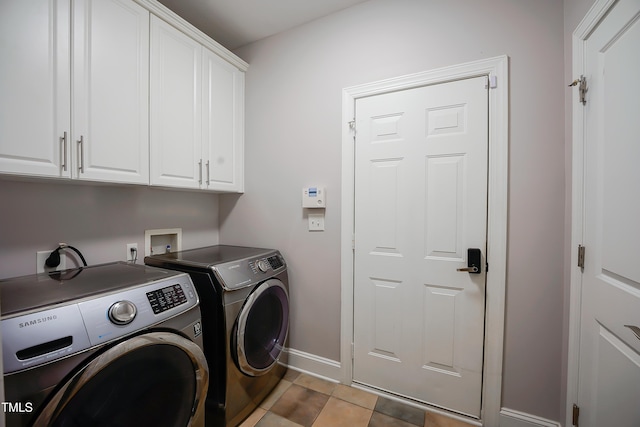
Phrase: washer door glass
[155,379]
[262,327]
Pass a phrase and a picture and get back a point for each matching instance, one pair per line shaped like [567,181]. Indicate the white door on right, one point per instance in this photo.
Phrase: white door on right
[609,366]
[420,204]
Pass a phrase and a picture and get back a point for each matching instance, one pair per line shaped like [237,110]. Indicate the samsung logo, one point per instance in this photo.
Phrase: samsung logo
[37,321]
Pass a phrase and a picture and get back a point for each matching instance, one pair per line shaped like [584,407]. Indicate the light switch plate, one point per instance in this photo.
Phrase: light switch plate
[316,222]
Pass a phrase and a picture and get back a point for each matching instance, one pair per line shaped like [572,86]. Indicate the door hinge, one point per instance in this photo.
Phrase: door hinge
[582,88]
[352,350]
[581,256]
[576,415]
[352,124]
[353,242]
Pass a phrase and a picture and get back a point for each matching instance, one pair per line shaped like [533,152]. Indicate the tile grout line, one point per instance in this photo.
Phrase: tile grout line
[385,408]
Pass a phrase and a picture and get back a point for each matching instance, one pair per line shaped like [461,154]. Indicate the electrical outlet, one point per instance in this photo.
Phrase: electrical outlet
[41,257]
[316,222]
[132,252]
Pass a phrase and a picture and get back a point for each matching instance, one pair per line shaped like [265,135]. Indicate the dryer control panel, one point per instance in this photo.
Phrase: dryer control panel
[249,271]
[262,265]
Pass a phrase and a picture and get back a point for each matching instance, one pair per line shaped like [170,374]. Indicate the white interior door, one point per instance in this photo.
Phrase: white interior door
[420,203]
[609,366]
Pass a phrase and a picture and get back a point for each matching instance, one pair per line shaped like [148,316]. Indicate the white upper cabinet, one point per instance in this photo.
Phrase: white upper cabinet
[106,101]
[197,114]
[176,107]
[110,105]
[34,87]
[118,91]
[222,124]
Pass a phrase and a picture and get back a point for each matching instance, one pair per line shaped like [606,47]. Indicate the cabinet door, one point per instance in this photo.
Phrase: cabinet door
[34,87]
[223,124]
[111,91]
[176,87]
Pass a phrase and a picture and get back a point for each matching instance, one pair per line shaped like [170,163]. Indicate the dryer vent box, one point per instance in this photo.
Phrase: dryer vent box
[162,241]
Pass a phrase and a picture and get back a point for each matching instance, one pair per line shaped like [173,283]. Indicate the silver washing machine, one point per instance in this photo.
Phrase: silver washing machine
[115,345]
[244,294]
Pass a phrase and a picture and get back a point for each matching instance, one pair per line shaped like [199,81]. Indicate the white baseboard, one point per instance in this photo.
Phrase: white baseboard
[314,365]
[511,418]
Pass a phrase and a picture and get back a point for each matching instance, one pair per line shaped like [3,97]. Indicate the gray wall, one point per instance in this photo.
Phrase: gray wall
[293,139]
[98,220]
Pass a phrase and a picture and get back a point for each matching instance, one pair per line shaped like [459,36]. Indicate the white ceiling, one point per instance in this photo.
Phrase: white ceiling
[235,23]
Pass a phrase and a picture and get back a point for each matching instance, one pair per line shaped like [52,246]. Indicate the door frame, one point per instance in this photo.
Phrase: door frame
[496,69]
[578,67]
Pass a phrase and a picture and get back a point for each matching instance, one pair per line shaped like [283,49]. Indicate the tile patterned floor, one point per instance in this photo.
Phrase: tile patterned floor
[307,401]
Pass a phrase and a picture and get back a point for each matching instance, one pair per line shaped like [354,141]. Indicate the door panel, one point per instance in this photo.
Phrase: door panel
[122,386]
[421,201]
[444,196]
[262,328]
[609,370]
[176,107]
[222,131]
[34,87]
[111,91]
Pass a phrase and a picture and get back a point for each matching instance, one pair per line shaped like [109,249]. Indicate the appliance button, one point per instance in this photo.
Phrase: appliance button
[262,266]
[122,312]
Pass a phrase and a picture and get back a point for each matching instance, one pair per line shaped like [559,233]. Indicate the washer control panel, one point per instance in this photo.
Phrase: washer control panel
[167,298]
[40,337]
[113,316]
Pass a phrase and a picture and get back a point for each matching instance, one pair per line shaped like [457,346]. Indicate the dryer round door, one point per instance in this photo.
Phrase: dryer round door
[262,328]
[143,381]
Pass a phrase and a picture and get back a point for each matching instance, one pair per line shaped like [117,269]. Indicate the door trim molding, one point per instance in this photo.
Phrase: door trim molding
[578,67]
[496,222]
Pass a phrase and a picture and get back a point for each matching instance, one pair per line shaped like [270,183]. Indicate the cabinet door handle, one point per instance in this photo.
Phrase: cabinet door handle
[63,141]
[81,154]
[208,174]
[200,176]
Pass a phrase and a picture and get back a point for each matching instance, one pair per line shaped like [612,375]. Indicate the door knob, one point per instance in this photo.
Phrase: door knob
[474,261]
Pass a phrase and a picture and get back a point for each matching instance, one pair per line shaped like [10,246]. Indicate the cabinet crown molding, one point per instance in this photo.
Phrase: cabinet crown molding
[166,14]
